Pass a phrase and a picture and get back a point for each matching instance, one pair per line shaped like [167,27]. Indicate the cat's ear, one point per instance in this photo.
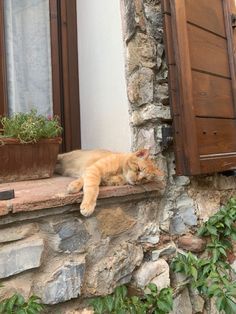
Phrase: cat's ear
[142,153]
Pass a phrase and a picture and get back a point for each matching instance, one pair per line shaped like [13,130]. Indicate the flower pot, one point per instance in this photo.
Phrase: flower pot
[19,162]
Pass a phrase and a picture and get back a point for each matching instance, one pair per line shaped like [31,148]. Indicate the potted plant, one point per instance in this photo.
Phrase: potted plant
[29,145]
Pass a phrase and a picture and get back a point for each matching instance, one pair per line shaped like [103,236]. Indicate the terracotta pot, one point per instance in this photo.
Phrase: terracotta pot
[19,162]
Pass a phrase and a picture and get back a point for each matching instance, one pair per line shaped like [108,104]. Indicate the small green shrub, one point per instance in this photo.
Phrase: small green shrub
[30,127]
[152,302]
[211,276]
[17,305]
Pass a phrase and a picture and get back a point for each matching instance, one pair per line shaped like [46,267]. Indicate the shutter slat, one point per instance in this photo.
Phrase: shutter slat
[207,46]
[212,96]
[216,163]
[216,135]
[207,14]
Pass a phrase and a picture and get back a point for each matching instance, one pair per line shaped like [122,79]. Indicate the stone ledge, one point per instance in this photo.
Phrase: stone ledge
[51,193]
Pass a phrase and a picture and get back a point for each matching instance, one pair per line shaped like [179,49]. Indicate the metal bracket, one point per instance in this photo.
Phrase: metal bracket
[167,136]
[7,195]
[233,20]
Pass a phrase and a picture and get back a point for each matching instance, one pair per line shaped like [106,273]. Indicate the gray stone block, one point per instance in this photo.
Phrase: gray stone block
[63,283]
[20,256]
[17,232]
[73,235]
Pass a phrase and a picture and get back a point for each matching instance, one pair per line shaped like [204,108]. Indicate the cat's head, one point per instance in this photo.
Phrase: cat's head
[140,169]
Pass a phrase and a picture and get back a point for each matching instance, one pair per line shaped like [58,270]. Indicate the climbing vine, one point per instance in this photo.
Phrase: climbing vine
[212,275]
[16,304]
[152,301]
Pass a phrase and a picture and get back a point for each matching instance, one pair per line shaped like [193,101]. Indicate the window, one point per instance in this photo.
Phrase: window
[200,45]
[39,63]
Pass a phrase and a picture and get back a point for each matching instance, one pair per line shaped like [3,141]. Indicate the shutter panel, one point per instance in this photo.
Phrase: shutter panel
[199,40]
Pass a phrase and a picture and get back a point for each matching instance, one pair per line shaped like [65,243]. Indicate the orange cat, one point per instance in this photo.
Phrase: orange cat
[101,167]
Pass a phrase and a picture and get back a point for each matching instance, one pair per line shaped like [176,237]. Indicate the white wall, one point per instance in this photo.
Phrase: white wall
[103,100]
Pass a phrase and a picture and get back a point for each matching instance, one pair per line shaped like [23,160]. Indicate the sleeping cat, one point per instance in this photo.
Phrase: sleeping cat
[101,167]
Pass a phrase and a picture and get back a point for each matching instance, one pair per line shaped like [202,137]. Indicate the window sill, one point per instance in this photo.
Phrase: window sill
[51,193]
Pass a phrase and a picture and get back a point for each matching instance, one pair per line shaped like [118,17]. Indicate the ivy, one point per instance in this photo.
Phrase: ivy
[152,302]
[211,276]
[16,304]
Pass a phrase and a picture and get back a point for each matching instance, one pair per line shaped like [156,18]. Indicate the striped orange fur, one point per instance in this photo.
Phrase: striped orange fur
[100,167]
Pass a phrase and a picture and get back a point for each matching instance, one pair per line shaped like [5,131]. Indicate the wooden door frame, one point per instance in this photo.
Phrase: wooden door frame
[65,76]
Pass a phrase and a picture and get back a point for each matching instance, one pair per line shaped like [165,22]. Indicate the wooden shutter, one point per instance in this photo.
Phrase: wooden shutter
[200,46]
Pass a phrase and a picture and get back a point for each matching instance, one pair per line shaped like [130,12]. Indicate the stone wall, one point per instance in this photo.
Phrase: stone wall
[59,255]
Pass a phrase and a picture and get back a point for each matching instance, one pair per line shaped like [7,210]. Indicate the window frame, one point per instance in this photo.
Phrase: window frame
[65,72]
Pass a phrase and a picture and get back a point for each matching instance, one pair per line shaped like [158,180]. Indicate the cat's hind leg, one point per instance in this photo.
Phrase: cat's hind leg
[75,186]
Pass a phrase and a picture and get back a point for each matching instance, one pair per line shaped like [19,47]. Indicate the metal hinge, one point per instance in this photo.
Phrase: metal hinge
[167,136]
[233,20]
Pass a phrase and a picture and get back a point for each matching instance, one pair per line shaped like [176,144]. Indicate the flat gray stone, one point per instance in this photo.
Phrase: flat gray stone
[150,270]
[140,87]
[182,303]
[184,201]
[20,256]
[182,180]
[73,235]
[104,273]
[177,225]
[165,251]
[188,216]
[62,284]
[130,22]
[150,113]
[17,232]
[184,216]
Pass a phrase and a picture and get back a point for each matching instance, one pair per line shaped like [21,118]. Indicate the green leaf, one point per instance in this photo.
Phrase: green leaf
[222,251]
[214,290]
[10,303]
[152,287]
[121,292]
[231,306]
[164,306]
[21,311]
[212,230]
[202,231]
[2,307]
[20,300]
[220,303]
[98,305]
[194,272]
[109,302]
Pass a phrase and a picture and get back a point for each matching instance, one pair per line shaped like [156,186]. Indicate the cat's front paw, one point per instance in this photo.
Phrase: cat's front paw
[87,209]
[73,187]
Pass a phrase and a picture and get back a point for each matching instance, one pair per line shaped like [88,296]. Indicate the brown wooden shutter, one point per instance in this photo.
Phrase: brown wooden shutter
[200,46]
